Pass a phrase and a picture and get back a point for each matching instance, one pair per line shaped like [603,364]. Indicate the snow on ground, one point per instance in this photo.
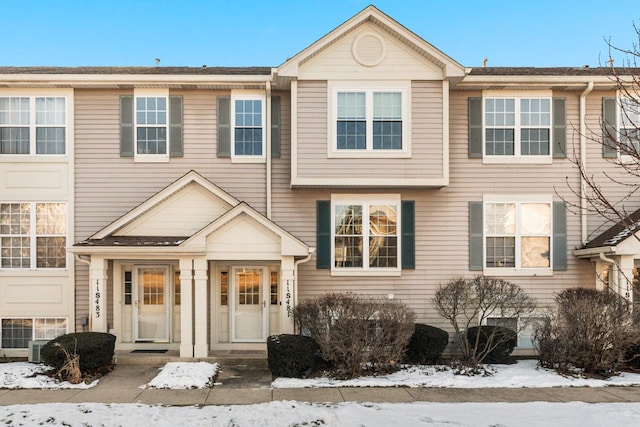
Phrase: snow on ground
[180,375]
[28,375]
[288,413]
[524,373]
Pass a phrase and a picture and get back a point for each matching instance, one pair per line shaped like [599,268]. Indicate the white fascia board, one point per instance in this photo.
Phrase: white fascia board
[369,182]
[592,252]
[137,251]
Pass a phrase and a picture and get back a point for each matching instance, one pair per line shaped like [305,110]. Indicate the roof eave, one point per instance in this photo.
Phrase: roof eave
[594,252]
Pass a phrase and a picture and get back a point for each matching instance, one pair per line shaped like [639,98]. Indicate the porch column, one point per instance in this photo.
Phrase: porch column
[98,294]
[201,348]
[286,295]
[625,280]
[186,308]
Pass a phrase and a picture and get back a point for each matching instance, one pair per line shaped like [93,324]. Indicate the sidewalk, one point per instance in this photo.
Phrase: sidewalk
[248,381]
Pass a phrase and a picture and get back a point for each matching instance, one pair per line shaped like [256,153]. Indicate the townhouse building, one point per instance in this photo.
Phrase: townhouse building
[191,208]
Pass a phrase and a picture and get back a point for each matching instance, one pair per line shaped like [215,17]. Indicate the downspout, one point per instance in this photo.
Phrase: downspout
[295,273]
[268,148]
[583,163]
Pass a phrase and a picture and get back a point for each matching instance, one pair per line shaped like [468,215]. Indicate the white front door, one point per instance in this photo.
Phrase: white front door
[151,303]
[249,304]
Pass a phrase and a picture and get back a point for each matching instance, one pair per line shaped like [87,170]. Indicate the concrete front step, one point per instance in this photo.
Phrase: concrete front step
[257,360]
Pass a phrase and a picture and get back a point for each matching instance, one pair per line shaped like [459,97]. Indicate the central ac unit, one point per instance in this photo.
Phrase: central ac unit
[34,350]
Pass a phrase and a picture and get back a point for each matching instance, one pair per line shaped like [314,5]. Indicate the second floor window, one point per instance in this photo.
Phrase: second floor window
[369,120]
[33,125]
[33,235]
[151,125]
[248,135]
[629,125]
[517,126]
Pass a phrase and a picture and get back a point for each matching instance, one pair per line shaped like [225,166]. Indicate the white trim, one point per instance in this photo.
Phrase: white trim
[517,200]
[374,182]
[242,95]
[517,157]
[150,93]
[167,301]
[294,131]
[365,200]
[265,296]
[369,88]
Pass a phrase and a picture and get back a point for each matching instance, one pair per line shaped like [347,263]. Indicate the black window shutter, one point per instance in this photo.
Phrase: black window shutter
[408,235]
[323,228]
[609,134]
[475,127]
[476,255]
[175,126]
[559,236]
[224,126]
[275,126]
[126,126]
[559,128]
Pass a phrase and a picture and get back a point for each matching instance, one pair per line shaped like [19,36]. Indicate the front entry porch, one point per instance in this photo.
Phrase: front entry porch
[222,279]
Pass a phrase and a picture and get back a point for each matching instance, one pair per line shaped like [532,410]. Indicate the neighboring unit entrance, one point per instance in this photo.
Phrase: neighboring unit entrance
[151,307]
[249,304]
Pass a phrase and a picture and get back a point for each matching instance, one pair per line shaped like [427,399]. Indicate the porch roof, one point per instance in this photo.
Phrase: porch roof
[137,241]
[609,240]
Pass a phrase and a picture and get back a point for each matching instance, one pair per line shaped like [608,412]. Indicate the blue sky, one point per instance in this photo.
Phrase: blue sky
[265,33]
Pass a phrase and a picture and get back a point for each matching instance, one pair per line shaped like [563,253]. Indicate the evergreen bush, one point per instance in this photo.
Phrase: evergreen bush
[95,350]
[291,356]
[497,342]
[427,344]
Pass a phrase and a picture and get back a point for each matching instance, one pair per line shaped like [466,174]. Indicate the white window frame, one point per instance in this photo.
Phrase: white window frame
[33,126]
[517,157]
[365,200]
[621,110]
[248,96]
[369,88]
[33,328]
[150,93]
[33,238]
[518,270]
[522,334]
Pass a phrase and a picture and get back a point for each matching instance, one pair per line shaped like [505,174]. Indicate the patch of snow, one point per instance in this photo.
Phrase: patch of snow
[524,373]
[19,375]
[288,413]
[185,375]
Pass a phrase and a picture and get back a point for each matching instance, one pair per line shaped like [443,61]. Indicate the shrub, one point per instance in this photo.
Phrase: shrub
[632,353]
[291,355]
[496,343]
[355,333]
[95,350]
[426,344]
[588,329]
[468,302]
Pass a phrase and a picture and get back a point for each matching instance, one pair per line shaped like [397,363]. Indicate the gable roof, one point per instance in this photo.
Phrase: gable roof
[450,68]
[188,178]
[616,234]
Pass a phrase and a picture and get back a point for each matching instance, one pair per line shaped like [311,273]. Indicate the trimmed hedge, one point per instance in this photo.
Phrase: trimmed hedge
[291,355]
[427,344]
[506,340]
[95,350]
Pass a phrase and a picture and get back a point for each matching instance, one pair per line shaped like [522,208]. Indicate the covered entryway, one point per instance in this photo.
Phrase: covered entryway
[219,278]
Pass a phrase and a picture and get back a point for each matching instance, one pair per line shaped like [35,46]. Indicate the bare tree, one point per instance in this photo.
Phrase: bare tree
[466,303]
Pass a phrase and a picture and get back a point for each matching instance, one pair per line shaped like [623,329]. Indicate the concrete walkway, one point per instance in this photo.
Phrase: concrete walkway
[243,381]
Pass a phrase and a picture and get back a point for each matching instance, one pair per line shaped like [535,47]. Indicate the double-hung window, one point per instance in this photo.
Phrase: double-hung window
[366,234]
[33,235]
[33,125]
[517,234]
[629,125]
[517,127]
[248,136]
[369,121]
[151,125]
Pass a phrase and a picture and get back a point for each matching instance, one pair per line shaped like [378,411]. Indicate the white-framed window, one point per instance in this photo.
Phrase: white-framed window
[248,136]
[629,124]
[33,235]
[33,125]
[17,332]
[517,127]
[151,120]
[524,328]
[518,235]
[369,120]
[366,233]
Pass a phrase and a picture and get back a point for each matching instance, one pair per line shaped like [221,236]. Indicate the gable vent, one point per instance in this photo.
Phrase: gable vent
[369,49]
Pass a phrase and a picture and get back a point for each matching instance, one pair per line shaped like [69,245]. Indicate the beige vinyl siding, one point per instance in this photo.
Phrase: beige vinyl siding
[314,138]
[108,186]
[442,222]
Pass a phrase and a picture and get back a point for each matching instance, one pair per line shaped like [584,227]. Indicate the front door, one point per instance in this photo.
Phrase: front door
[249,307]
[151,304]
